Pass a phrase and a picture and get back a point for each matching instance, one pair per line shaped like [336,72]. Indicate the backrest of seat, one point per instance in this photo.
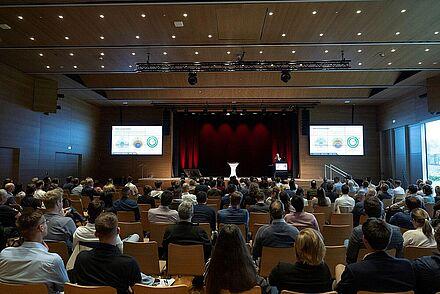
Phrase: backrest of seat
[207,228]
[258,218]
[126,216]
[213,206]
[60,248]
[77,204]
[23,289]
[388,202]
[216,201]
[254,290]
[342,219]
[77,289]
[271,256]
[363,251]
[324,209]
[412,252]
[368,292]
[85,201]
[157,230]
[130,228]
[335,235]
[146,254]
[144,207]
[144,289]
[320,218]
[291,292]
[185,260]
[334,255]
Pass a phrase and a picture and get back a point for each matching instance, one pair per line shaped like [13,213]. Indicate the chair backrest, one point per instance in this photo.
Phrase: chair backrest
[126,216]
[334,255]
[144,289]
[216,201]
[320,218]
[77,289]
[271,256]
[77,204]
[145,222]
[290,292]
[335,235]
[327,210]
[254,290]
[207,228]
[368,292]
[60,248]
[128,229]
[345,209]
[185,260]
[242,228]
[23,289]
[258,218]
[157,202]
[342,219]
[144,207]
[388,202]
[309,209]
[412,252]
[256,227]
[146,255]
[363,251]
[157,230]
[213,206]
[430,209]
[85,201]
[74,197]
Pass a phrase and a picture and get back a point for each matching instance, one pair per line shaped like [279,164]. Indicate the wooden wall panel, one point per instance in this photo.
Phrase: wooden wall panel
[312,167]
[124,165]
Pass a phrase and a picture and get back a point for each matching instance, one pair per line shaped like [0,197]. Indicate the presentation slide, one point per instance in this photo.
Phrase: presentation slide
[337,140]
[136,140]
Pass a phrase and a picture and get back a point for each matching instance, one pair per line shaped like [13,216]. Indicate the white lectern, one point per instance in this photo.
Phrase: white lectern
[233,166]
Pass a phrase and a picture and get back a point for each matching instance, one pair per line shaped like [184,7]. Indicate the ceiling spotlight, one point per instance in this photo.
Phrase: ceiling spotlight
[209,36]
[66,37]
[192,78]
[228,52]
[403,11]
[133,53]
[389,63]
[75,66]
[314,12]
[32,38]
[143,15]
[20,17]
[321,34]
[60,16]
[420,62]
[285,76]
[185,15]
[102,66]
[165,53]
[393,50]
[283,34]
[101,15]
[360,63]
[261,52]
[427,49]
[137,37]
[397,33]
[325,51]
[358,11]
[102,53]
[102,37]
[293,51]
[41,54]
[359,50]
[47,66]
[71,54]
[130,66]
[359,34]
[173,36]
[436,33]
[196,52]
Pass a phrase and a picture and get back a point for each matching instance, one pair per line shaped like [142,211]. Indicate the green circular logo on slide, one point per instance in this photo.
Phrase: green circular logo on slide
[152,141]
[353,142]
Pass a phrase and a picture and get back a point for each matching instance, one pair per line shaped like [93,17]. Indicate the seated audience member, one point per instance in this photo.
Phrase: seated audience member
[126,204]
[108,192]
[105,265]
[403,219]
[84,236]
[31,263]
[437,194]
[358,208]
[364,187]
[311,193]
[373,208]
[398,190]
[10,188]
[202,212]
[423,235]
[187,196]
[338,185]
[344,203]
[412,192]
[260,206]
[231,266]
[300,218]
[109,186]
[157,192]
[89,189]
[383,194]
[274,195]
[427,269]
[234,214]
[163,214]
[146,197]
[133,188]
[39,192]
[68,185]
[330,193]
[79,186]
[185,232]
[292,188]
[378,271]
[278,234]
[353,187]
[59,227]
[320,199]
[226,199]
[214,193]
[310,273]
[29,200]
[285,199]
[8,217]
[428,196]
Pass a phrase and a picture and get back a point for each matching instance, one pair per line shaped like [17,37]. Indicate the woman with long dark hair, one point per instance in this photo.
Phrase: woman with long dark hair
[321,199]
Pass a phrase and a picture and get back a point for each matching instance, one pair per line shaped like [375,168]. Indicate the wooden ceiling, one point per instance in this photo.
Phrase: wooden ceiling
[393,46]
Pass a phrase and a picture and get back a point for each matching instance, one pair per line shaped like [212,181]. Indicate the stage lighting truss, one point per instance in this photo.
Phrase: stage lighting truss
[232,66]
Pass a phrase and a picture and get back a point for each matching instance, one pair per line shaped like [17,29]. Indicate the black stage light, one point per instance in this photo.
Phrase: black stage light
[285,76]
[192,78]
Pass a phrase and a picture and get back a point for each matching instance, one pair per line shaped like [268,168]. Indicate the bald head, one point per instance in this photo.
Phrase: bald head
[276,210]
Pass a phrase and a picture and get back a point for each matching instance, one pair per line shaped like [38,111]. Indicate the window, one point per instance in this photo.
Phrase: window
[433,151]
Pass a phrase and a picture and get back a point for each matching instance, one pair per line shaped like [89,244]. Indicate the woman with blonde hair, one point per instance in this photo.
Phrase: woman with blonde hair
[423,235]
[309,274]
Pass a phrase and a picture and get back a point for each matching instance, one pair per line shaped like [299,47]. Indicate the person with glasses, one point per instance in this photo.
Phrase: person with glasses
[31,263]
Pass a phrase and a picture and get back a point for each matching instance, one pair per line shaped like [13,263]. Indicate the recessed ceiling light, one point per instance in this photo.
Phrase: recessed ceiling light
[196,52]
[101,37]
[358,11]
[321,34]
[32,38]
[420,62]
[143,15]
[359,34]
[102,53]
[270,13]
[137,37]
[60,16]
[209,36]
[75,66]
[47,66]
[314,12]
[397,33]
[326,51]
[359,50]
[403,11]
[100,58]
[20,17]
[293,51]
[360,63]
[165,53]
[185,15]
[173,36]
[133,53]
[102,66]
[71,54]
[347,101]
[130,66]
[66,37]
[435,62]
[228,52]
[261,52]
[41,54]
[389,63]
[283,34]
[427,49]
[101,15]
[393,50]
[436,33]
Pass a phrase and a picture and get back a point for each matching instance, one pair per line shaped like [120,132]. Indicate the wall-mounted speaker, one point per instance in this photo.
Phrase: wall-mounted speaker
[45,95]
[166,122]
[305,122]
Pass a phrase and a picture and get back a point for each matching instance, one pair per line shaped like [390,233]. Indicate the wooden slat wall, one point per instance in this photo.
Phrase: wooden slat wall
[39,136]
[312,167]
[124,165]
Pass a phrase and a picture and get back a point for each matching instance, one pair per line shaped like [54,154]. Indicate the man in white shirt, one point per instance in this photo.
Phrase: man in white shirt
[398,190]
[344,203]
[31,263]
[39,192]
[163,214]
[133,188]
[186,196]
[157,192]
[78,187]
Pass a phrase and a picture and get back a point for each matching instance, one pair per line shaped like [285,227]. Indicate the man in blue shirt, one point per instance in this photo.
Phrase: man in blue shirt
[31,263]
[202,212]
[234,214]
[126,204]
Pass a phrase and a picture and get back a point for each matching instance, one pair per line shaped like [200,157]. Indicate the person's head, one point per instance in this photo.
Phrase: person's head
[235,199]
[412,189]
[89,182]
[437,190]
[166,198]
[313,184]
[55,181]
[125,192]
[337,179]
[412,203]
[300,192]
[109,181]
[129,179]
[75,181]
[231,266]
[373,207]
[276,210]
[158,185]
[94,209]
[53,200]
[427,190]
[320,194]
[260,196]
[345,189]
[69,179]
[297,203]
[10,187]
[147,190]
[384,187]
[365,184]
[3,196]
[309,247]
[437,238]
[185,188]
[397,183]
[231,188]
[370,193]
[201,197]
[30,189]
[292,184]
[376,234]
[330,187]
[106,226]
[214,193]
[185,211]
[420,219]
[32,225]
[39,184]
[428,182]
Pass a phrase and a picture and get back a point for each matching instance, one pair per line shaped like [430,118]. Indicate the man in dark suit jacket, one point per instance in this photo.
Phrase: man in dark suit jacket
[202,212]
[126,204]
[185,232]
[378,271]
[260,206]
[278,234]
[372,208]
[427,269]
